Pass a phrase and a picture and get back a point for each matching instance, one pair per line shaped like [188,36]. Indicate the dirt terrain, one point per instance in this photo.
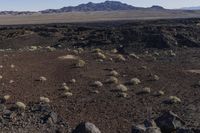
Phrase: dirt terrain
[97,16]
[31,51]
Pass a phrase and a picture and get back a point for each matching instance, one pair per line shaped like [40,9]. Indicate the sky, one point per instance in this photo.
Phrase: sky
[36,5]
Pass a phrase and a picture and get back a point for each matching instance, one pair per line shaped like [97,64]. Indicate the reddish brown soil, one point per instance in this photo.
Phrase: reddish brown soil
[110,113]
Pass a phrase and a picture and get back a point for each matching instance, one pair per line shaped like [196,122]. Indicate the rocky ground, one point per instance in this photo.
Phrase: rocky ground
[60,87]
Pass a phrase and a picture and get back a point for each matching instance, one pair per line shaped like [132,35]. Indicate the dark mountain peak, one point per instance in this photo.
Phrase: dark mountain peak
[104,6]
[157,7]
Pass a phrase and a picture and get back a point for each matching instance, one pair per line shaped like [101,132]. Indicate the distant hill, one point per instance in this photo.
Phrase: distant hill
[104,6]
[191,8]
[89,7]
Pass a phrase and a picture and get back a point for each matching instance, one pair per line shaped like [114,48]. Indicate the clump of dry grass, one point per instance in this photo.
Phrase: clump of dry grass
[145,90]
[101,55]
[21,105]
[44,100]
[75,51]
[173,99]
[42,79]
[68,94]
[159,93]
[72,81]
[134,81]
[114,73]
[11,81]
[134,56]
[80,50]
[120,57]
[12,66]
[80,63]
[172,53]
[6,97]
[121,88]
[96,50]
[114,51]
[97,84]
[65,87]
[112,80]
[123,94]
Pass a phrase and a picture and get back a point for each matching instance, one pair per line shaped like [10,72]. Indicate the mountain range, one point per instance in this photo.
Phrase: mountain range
[191,8]
[89,7]
[104,6]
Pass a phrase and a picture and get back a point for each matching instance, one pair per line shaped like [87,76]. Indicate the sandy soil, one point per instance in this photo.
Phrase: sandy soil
[70,17]
[112,114]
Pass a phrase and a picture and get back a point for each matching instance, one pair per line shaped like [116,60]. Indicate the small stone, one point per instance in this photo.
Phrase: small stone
[86,127]
[169,122]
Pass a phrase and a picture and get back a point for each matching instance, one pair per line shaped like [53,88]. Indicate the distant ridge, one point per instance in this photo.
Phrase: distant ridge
[191,8]
[89,7]
[104,6]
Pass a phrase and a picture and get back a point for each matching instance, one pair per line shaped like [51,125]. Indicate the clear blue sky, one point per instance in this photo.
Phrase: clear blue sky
[34,5]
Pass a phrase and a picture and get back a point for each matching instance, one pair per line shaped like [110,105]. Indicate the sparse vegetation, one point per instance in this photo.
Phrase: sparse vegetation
[44,100]
[120,57]
[6,97]
[112,80]
[173,99]
[21,105]
[67,94]
[42,79]
[101,55]
[121,88]
[123,94]
[97,84]
[114,73]
[145,90]
[73,81]
[134,56]
[134,81]
[80,63]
